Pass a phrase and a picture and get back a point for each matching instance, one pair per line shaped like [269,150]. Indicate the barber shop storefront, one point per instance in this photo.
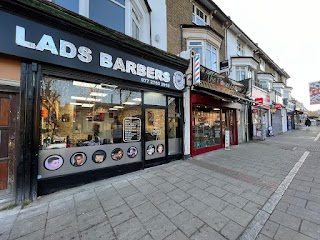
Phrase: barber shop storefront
[91,109]
[217,105]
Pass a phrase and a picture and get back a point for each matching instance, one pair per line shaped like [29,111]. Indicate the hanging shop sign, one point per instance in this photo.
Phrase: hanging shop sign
[214,81]
[28,39]
[258,101]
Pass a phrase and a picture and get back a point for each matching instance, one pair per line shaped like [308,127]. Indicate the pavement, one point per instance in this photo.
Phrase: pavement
[258,190]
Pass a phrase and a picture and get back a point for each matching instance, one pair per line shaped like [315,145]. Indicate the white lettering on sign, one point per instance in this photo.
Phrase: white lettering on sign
[69,50]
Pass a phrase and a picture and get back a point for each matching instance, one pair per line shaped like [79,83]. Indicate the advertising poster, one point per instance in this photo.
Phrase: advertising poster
[314,89]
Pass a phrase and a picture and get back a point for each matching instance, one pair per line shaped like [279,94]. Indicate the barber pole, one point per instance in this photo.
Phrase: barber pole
[197,69]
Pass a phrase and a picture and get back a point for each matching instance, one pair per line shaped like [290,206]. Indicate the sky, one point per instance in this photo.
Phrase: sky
[288,31]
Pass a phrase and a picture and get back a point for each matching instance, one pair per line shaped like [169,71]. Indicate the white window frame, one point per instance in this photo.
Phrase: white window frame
[262,65]
[203,55]
[241,72]
[240,49]
[195,16]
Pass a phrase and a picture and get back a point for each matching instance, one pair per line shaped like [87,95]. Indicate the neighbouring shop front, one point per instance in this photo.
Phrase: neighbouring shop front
[217,105]
[90,109]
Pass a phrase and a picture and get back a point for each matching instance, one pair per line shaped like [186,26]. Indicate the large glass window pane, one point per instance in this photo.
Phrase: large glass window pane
[174,120]
[77,114]
[108,13]
[206,126]
[72,5]
[152,98]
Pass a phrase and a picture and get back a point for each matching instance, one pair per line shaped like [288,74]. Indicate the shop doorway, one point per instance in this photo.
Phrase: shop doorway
[229,123]
[155,133]
[8,118]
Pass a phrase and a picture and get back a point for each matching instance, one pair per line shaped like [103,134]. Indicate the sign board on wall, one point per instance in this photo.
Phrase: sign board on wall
[24,38]
[227,140]
[314,90]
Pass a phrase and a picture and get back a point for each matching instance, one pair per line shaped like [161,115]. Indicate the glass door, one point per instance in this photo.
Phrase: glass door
[155,132]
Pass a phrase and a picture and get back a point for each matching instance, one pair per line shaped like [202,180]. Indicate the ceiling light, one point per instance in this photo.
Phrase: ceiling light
[216,109]
[75,103]
[113,109]
[78,98]
[118,107]
[93,99]
[97,94]
[137,99]
[130,103]
[87,105]
[84,84]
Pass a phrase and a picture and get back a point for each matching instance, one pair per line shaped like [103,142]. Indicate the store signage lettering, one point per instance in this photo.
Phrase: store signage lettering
[32,40]
[84,54]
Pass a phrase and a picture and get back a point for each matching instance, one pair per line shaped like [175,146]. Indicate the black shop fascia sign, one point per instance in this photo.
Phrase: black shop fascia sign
[24,38]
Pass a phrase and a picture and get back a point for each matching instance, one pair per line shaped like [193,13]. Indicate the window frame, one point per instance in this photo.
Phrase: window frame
[203,55]
[195,16]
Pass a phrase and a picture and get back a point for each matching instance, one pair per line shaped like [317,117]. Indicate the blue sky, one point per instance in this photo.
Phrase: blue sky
[288,31]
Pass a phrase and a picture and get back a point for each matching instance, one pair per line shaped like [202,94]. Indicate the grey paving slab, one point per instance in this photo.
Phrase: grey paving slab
[252,208]
[130,230]
[235,200]
[270,228]
[177,235]
[285,233]
[160,227]
[135,200]
[178,195]
[60,223]
[100,231]
[213,218]
[215,202]
[91,219]
[68,233]
[28,226]
[146,211]
[119,215]
[111,202]
[207,233]
[310,229]
[238,215]
[157,197]
[170,208]
[286,220]
[37,235]
[166,187]
[193,205]
[231,230]
[87,205]
[187,222]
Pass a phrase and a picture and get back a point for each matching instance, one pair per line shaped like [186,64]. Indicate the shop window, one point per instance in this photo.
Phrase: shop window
[198,16]
[174,122]
[206,126]
[152,98]
[208,53]
[80,114]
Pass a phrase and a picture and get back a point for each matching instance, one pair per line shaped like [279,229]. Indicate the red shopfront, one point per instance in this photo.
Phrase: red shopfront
[210,118]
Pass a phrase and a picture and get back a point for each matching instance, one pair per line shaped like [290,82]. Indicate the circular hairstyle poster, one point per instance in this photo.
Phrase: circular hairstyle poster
[117,154]
[53,162]
[99,156]
[78,159]
[132,152]
[151,149]
[160,148]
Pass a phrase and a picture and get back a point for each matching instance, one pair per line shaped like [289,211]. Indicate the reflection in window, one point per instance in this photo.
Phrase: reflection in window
[75,114]
[206,126]
[72,5]
[152,98]
[135,25]
[108,13]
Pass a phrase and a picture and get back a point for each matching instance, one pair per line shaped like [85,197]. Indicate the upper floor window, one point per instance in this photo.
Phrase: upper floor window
[198,16]
[240,73]
[109,13]
[208,53]
[262,65]
[240,49]
[72,5]
[135,20]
